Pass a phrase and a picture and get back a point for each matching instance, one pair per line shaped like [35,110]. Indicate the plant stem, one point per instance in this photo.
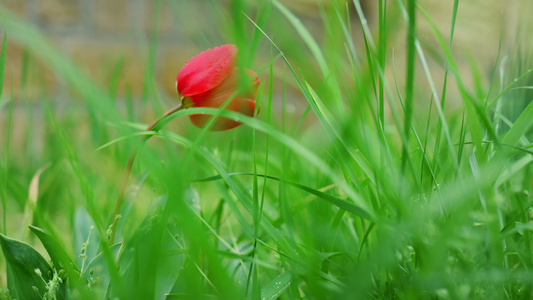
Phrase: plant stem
[127,172]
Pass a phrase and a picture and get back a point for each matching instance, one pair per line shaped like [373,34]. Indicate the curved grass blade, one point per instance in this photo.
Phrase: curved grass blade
[315,49]
[305,153]
[277,286]
[97,267]
[340,203]
[26,269]
[59,256]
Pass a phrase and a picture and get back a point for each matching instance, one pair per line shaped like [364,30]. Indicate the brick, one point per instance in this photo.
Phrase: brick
[59,13]
[166,18]
[98,59]
[112,16]
[14,6]
[39,75]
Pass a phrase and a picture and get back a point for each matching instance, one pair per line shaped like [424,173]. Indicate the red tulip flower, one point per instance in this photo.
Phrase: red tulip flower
[209,79]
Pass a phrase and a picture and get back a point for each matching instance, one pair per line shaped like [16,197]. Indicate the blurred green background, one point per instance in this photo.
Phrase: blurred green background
[79,74]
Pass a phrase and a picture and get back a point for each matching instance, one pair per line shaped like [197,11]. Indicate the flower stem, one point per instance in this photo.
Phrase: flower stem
[127,172]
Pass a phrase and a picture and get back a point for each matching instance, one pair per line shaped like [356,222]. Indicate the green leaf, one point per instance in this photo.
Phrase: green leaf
[522,124]
[176,296]
[22,262]
[276,287]
[82,234]
[59,256]
[154,275]
[339,202]
[97,267]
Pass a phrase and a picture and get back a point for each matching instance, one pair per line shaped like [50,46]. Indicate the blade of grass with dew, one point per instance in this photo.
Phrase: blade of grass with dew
[520,126]
[277,286]
[509,87]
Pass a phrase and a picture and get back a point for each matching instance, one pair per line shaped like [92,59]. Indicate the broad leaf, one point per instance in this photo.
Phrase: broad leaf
[59,256]
[24,264]
[95,273]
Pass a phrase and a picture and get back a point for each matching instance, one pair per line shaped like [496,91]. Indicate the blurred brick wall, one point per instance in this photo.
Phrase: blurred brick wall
[97,34]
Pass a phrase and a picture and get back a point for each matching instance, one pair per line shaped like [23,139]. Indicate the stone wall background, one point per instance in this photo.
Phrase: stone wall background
[99,35]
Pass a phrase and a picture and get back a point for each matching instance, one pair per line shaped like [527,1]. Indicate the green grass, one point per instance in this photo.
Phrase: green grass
[372,188]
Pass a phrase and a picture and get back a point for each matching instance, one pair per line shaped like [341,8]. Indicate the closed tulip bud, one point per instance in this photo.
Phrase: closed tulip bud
[210,79]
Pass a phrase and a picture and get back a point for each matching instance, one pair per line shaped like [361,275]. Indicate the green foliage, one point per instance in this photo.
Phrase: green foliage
[29,275]
[60,258]
[359,178]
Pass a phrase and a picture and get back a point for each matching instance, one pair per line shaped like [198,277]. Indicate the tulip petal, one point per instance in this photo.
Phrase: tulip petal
[206,70]
[218,95]
[241,105]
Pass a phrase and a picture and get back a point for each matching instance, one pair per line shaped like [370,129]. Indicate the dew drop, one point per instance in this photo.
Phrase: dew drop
[236,119]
